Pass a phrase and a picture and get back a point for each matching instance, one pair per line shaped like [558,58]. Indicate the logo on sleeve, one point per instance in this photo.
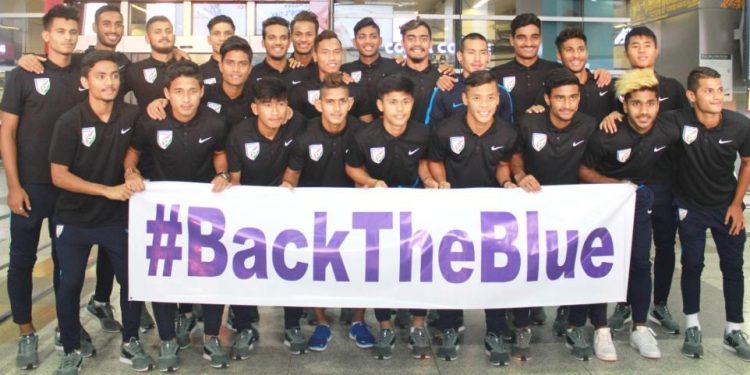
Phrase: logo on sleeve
[215,106]
[312,96]
[377,154]
[623,155]
[689,134]
[88,136]
[149,74]
[538,141]
[252,150]
[509,82]
[42,85]
[315,151]
[209,81]
[164,138]
[356,76]
[457,144]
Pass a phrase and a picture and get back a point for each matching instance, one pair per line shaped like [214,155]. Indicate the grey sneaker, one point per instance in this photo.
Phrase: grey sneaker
[538,316]
[86,347]
[578,345]
[521,348]
[168,360]
[419,343]
[448,350]
[693,345]
[561,320]
[70,364]
[619,318]
[497,350]
[660,315]
[386,340]
[105,314]
[294,340]
[147,322]
[184,325]
[243,343]
[27,357]
[214,352]
[132,353]
[736,342]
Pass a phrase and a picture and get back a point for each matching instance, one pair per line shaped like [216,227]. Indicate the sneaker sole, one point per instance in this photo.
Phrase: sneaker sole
[644,355]
[499,362]
[169,368]
[580,358]
[606,358]
[448,356]
[295,351]
[243,357]
[359,345]
[130,362]
[420,353]
[28,366]
[215,365]
[382,356]
[733,350]
[656,321]
[692,355]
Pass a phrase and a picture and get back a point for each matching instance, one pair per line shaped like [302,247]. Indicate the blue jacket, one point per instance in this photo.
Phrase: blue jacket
[443,104]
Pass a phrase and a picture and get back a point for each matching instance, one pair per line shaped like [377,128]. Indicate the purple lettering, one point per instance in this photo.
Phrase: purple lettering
[589,252]
[409,241]
[447,256]
[492,246]
[257,252]
[532,242]
[327,253]
[554,268]
[289,236]
[198,241]
[372,223]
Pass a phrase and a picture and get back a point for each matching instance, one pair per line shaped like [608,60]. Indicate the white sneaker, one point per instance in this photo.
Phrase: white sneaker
[604,348]
[643,339]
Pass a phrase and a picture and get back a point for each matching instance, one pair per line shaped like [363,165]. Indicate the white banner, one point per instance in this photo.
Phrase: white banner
[397,248]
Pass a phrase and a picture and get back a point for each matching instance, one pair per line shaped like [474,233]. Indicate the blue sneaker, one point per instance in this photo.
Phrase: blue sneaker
[361,335]
[320,338]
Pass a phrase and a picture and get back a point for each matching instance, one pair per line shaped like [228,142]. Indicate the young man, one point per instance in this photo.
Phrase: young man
[305,90]
[551,146]
[276,43]
[258,149]
[474,55]
[317,160]
[416,37]
[85,157]
[391,152]
[146,78]
[641,49]
[304,30]
[30,106]
[474,149]
[220,28]
[709,196]
[630,156]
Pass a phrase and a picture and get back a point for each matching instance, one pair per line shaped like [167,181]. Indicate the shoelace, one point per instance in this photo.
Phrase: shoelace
[26,346]
[69,360]
[134,346]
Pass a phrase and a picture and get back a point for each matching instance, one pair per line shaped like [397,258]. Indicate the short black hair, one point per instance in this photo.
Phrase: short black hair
[479,78]
[365,22]
[268,89]
[155,19]
[413,24]
[559,77]
[701,72]
[275,20]
[325,35]
[472,36]
[104,9]
[524,19]
[92,58]
[60,11]
[183,68]
[395,83]
[220,19]
[236,43]
[640,31]
[568,34]
[306,16]
[333,81]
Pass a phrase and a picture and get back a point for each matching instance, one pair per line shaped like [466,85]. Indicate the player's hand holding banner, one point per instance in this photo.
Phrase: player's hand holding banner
[462,248]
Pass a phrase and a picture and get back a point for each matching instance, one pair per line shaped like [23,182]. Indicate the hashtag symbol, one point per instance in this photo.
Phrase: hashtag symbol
[168,251]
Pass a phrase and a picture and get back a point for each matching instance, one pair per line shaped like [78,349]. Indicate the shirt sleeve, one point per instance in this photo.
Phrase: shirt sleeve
[13,98]
[65,140]
[436,151]
[745,146]
[354,153]
[140,135]
[594,153]
[297,156]
[221,137]
[234,153]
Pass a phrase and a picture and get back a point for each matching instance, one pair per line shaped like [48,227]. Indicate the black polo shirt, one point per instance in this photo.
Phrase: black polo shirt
[394,160]
[706,157]
[264,70]
[305,90]
[367,76]
[181,151]
[596,101]
[93,150]
[38,100]
[210,72]
[261,161]
[232,110]
[425,84]
[471,160]
[550,154]
[627,155]
[319,155]
[146,78]
[122,65]
[524,83]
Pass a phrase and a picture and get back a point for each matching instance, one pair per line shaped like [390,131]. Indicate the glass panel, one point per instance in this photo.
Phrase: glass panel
[202,13]
[286,11]
[488,7]
[407,6]
[22,6]
[141,12]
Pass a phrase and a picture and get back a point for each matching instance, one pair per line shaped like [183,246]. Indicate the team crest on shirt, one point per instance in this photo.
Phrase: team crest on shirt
[42,85]
[215,106]
[88,136]
[209,81]
[316,151]
[149,74]
[457,144]
[509,82]
[164,138]
[312,96]
[377,154]
[356,76]
[252,150]
[538,141]
[689,134]
[623,155]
